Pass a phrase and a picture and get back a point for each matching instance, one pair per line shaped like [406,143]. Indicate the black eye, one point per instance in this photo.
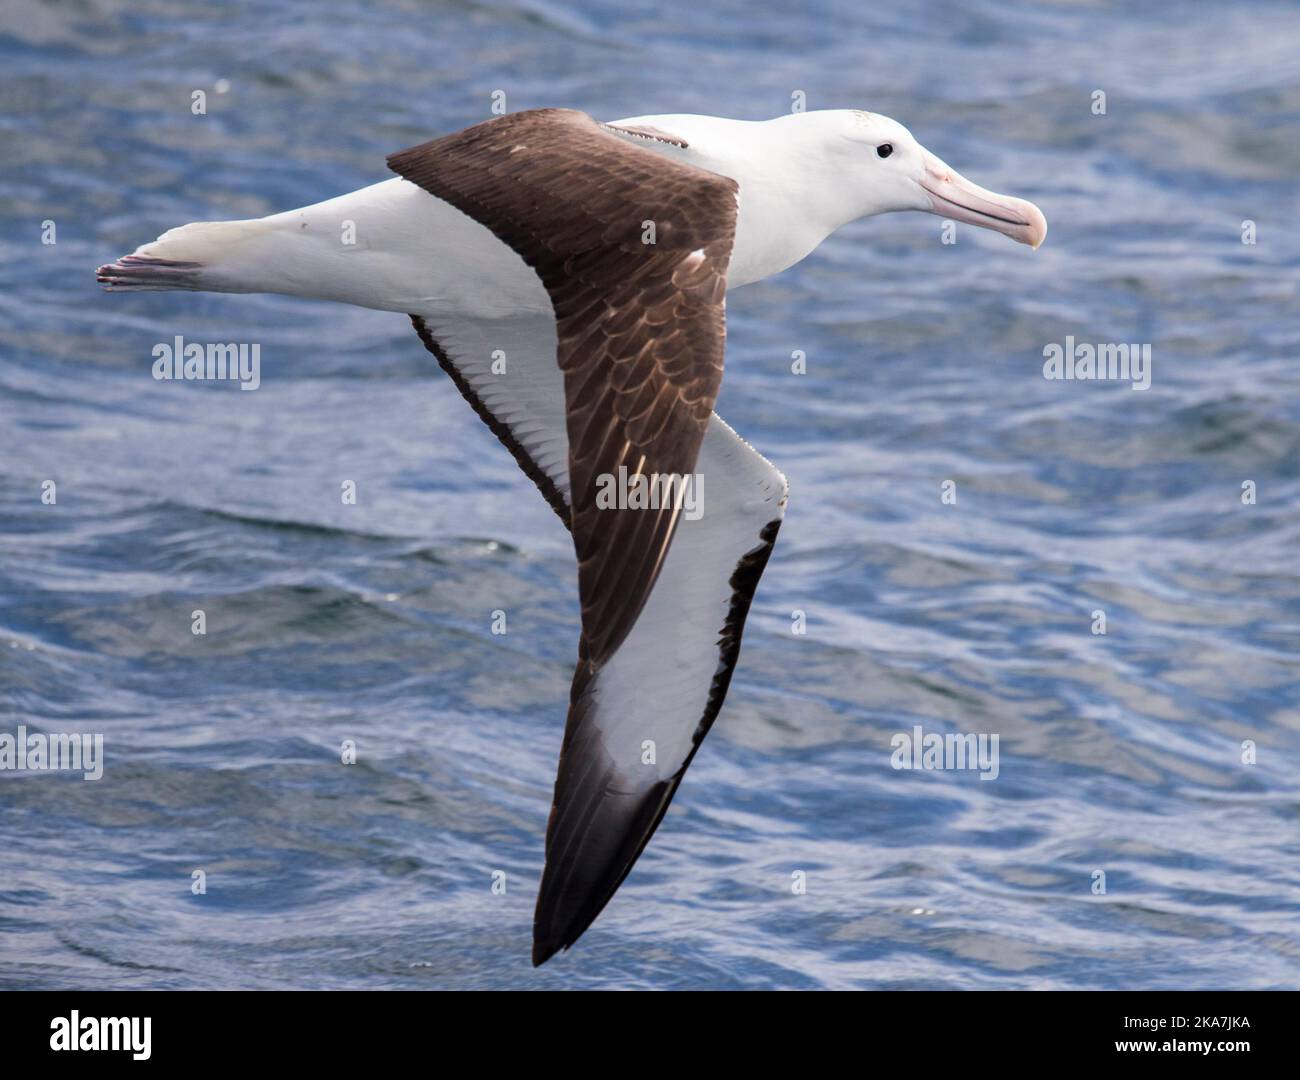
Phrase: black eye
[884,149]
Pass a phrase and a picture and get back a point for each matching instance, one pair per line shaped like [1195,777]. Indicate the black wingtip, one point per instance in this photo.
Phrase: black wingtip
[564,915]
[543,951]
[599,825]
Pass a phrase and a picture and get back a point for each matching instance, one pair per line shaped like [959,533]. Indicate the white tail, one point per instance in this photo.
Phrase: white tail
[391,246]
[195,257]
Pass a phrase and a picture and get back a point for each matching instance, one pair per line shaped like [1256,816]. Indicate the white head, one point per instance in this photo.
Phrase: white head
[872,165]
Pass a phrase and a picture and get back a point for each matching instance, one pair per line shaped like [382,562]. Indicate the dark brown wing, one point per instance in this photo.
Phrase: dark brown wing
[633,249]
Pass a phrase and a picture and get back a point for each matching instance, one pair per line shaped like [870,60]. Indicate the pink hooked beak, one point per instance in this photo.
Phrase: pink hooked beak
[953,196]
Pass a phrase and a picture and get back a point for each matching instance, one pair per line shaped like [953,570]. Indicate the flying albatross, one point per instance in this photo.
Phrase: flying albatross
[596,257]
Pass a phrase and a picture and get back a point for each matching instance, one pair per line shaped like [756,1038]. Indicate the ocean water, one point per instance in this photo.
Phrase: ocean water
[1120,754]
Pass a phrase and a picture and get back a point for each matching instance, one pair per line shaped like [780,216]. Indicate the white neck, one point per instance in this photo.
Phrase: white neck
[787,207]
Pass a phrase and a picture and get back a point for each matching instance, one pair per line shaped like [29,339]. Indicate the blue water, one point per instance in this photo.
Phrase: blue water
[1119,753]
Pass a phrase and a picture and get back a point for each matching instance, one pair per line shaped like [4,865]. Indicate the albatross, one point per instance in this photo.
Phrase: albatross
[570,276]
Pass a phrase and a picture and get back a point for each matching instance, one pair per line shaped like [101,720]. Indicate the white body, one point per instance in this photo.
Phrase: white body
[414,253]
